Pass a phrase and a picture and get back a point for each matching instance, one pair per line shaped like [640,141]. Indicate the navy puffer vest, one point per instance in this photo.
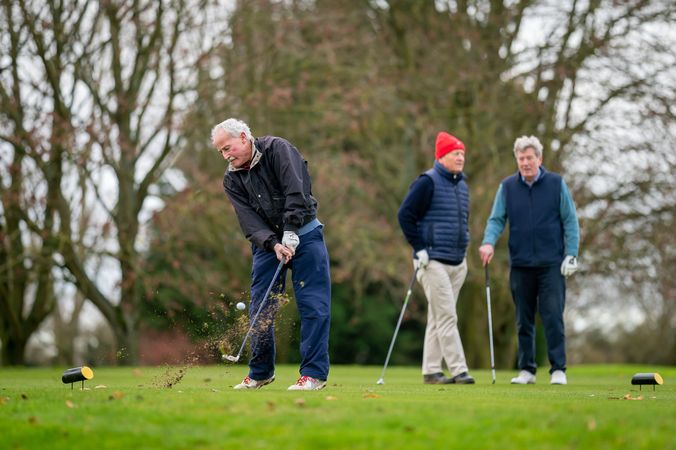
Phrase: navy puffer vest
[444,228]
[535,225]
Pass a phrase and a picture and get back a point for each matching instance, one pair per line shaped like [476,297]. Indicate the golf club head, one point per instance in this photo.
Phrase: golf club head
[231,358]
[380,381]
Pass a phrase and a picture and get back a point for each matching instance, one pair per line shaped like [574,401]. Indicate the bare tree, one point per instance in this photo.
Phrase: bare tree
[28,230]
[101,86]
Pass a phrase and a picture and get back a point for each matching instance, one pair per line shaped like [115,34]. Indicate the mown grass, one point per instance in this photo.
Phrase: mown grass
[135,409]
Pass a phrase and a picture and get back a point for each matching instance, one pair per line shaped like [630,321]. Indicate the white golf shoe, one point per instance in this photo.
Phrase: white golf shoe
[559,377]
[249,383]
[306,383]
[524,377]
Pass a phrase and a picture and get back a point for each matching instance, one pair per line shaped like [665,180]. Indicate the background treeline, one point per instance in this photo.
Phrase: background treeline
[112,204]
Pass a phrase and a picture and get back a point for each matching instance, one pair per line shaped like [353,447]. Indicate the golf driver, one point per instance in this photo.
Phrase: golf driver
[490,322]
[396,329]
[253,322]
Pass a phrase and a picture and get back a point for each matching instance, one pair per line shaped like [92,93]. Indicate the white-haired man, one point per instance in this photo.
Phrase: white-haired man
[543,249]
[268,183]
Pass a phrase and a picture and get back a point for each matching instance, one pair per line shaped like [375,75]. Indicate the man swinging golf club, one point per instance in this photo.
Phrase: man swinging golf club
[269,186]
[543,246]
[434,217]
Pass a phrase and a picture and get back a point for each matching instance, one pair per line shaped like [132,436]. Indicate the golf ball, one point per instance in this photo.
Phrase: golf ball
[240,306]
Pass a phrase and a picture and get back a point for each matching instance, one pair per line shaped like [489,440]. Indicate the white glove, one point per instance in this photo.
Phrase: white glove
[569,266]
[290,240]
[423,258]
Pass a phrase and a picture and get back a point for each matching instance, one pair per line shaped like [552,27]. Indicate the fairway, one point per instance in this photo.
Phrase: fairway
[132,408]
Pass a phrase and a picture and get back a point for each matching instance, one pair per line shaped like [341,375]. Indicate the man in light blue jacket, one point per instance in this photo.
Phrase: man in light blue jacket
[544,238]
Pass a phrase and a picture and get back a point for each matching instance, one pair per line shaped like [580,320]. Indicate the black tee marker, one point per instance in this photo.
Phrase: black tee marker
[77,374]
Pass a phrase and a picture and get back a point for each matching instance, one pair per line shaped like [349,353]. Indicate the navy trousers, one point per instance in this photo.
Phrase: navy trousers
[312,289]
[540,289]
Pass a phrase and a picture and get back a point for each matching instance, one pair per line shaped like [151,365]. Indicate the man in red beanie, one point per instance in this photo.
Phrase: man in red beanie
[434,217]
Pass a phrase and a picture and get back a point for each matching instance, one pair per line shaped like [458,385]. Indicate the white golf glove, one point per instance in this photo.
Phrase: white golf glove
[423,258]
[569,266]
[290,240]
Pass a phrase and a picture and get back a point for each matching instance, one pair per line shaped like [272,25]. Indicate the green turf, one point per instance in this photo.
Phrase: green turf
[134,410]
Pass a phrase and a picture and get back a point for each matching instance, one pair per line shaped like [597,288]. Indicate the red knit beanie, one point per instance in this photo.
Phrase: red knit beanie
[446,144]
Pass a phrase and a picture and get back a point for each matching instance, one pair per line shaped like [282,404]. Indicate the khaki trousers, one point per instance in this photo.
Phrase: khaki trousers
[442,283]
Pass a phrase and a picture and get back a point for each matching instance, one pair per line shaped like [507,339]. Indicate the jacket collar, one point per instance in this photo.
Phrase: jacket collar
[541,173]
[454,177]
[256,155]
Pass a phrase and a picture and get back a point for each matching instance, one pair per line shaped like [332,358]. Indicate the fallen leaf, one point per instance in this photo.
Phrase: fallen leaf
[331,397]
[371,395]
[3,400]
[137,372]
[271,405]
[629,397]
[70,404]
[116,395]
[300,402]
[100,386]
[591,424]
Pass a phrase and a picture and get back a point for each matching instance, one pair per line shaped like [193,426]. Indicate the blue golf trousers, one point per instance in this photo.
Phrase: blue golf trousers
[540,289]
[312,289]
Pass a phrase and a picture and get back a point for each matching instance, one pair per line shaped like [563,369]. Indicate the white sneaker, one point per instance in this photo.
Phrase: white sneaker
[524,377]
[559,377]
[306,383]
[249,383]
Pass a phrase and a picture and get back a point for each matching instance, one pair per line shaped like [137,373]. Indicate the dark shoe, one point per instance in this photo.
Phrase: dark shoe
[462,378]
[436,378]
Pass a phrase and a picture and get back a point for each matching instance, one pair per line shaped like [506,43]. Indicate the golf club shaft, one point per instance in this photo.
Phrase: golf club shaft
[401,316]
[260,307]
[490,322]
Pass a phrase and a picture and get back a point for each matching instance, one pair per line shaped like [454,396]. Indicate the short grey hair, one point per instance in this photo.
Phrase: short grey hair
[525,142]
[234,127]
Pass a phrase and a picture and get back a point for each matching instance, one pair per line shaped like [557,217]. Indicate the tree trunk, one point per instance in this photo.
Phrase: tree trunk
[14,350]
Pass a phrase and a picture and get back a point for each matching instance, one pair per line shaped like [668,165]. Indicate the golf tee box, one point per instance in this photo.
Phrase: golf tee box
[77,374]
[647,378]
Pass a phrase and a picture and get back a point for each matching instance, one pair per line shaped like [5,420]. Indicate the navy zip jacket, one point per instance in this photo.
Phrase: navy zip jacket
[435,214]
[535,225]
[274,194]
[543,225]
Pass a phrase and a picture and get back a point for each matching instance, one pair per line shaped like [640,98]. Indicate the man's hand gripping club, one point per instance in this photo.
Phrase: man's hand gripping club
[287,248]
